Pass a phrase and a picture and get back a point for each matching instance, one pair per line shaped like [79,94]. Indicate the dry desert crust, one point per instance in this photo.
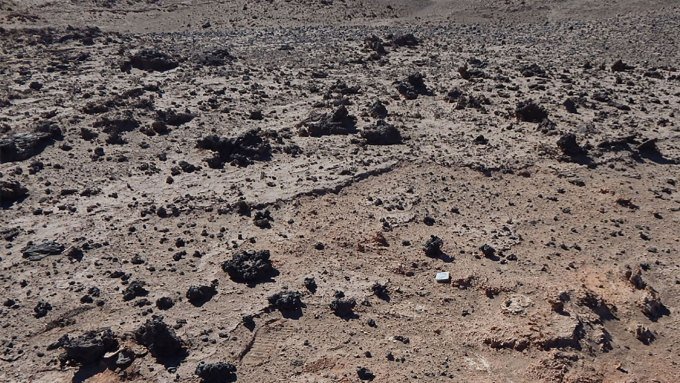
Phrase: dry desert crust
[264,191]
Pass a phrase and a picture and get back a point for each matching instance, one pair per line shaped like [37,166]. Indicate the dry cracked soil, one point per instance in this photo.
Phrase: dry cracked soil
[266,191]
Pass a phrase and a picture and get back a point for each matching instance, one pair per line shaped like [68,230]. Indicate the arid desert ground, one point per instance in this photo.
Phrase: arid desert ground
[340,191]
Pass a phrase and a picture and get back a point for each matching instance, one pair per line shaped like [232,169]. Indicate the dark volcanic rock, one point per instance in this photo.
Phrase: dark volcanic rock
[159,339]
[10,192]
[453,95]
[634,276]
[310,284]
[199,295]
[488,251]
[481,140]
[649,149]
[286,301]
[250,266]
[378,110]
[341,88]
[174,118]
[217,57]
[219,372]
[242,208]
[652,306]
[433,246]
[365,374]
[570,105]
[405,40]
[343,307]
[380,290]
[471,101]
[115,126]
[470,73]
[340,122]
[242,150]
[164,303]
[413,86]
[42,250]
[187,167]
[256,115]
[88,134]
[263,219]
[87,348]
[248,321]
[532,70]
[596,303]
[134,290]
[620,66]
[22,146]
[41,309]
[644,334]
[124,358]
[530,112]
[568,145]
[151,60]
[382,134]
[375,44]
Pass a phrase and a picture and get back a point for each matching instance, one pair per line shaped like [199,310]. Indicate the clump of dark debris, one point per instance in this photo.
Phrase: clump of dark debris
[470,74]
[378,110]
[242,150]
[251,266]
[340,88]
[263,219]
[286,301]
[433,246]
[453,95]
[340,122]
[405,40]
[248,321]
[532,70]
[150,60]
[529,111]
[471,101]
[116,125]
[365,374]
[199,295]
[22,146]
[568,145]
[174,118]
[652,306]
[375,44]
[87,348]
[50,35]
[644,334]
[649,149]
[343,307]
[134,289]
[41,309]
[310,284]
[36,252]
[217,57]
[620,66]
[489,251]
[597,304]
[382,133]
[380,290]
[570,105]
[160,339]
[10,192]
[413,86]
[219,372]
[164,303]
